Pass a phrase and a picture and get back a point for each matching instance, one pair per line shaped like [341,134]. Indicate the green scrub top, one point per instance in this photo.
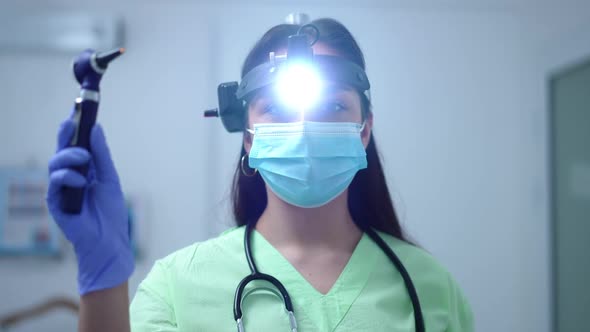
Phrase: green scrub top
[193,290]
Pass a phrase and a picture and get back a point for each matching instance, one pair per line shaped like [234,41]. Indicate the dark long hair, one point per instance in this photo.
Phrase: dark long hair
[369,201]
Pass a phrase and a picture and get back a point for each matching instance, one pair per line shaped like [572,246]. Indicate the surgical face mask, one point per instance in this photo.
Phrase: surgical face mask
[307,164]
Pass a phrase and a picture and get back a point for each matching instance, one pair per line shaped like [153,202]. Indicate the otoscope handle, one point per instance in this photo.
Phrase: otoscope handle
[85,118]
[72,200]
[88,68]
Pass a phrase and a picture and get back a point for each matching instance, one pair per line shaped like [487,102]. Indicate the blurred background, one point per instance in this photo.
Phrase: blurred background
[481,113]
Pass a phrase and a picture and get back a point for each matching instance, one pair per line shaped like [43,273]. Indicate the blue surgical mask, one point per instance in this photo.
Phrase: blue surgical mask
[307,164]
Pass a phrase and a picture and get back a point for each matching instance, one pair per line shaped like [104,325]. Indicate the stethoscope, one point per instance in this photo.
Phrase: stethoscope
[256,275]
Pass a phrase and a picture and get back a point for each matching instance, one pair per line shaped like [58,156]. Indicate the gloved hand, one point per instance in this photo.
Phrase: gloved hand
[100,233]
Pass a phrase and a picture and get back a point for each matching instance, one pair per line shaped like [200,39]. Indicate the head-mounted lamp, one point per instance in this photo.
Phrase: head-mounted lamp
[296,78]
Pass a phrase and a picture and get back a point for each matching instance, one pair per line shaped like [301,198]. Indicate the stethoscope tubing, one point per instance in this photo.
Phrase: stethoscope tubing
[256,275]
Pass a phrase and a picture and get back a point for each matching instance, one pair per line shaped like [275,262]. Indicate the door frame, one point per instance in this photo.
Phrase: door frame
[562,71]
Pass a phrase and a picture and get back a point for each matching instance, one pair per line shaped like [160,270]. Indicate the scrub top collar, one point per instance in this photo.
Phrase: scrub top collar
[325,310]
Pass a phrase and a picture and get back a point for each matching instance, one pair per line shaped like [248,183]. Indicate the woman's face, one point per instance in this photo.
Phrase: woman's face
[337,104]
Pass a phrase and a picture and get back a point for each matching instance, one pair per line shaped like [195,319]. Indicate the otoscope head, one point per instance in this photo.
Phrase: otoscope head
[103,59]
[89,66]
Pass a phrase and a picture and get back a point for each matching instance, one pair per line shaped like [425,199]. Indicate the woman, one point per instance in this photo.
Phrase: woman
[315,204]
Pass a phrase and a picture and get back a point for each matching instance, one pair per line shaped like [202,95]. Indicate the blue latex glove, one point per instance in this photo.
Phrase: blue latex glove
[100,233]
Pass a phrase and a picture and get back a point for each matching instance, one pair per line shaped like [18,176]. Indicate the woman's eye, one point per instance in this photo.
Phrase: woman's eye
[334,107]
[270,108]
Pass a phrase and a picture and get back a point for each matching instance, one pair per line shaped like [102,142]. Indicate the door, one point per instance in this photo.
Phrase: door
[570,128]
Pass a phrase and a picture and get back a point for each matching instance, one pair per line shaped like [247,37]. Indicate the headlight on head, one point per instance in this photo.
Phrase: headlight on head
[297,80]
[298,86]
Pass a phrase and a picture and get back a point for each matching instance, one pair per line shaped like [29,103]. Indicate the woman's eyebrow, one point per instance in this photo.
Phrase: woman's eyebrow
[331,91]
[336,92]
[335,88]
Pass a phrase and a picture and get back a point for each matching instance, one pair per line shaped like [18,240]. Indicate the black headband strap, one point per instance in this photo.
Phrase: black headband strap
[332,68]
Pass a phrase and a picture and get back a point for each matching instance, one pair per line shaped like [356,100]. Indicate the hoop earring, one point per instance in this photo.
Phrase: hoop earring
[243,169]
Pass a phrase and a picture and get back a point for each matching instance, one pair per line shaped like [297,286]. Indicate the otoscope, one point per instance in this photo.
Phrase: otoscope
[88,68]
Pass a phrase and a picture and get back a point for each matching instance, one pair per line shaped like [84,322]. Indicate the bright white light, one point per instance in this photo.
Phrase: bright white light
[298,86]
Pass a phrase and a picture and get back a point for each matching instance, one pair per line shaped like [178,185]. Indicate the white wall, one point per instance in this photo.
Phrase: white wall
[459,105]
[151,111]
